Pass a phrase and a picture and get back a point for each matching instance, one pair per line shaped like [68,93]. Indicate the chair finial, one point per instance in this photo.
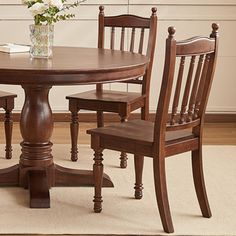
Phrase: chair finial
[215,28]
[101,9]
[171,31]
[154,11]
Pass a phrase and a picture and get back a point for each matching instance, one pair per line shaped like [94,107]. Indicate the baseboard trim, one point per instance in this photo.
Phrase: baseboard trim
[109,117]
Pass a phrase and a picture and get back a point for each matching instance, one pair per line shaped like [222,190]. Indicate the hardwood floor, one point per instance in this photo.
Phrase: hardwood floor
[214,133]
[220,134]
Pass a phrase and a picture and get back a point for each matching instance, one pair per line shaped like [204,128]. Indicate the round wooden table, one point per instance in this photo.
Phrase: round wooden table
[69,66]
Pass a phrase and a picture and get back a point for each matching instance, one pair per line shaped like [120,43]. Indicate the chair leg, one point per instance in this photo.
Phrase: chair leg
[199,182]
[145,112]
[123,155]
[123,160]
[8,123]
[100,119]
[98,177]
[161,193]
[138,164]
[74,130]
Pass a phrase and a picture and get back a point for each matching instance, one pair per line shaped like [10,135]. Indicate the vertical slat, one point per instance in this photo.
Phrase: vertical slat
[132,40]
[201,86]
[122,39]
[140,49]
[101,27]
[187,90]
[194,89]
[112,38]
[101,37]
[177,91]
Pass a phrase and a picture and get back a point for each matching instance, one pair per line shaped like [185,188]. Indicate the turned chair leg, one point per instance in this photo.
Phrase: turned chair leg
[123,155]
[123,160]
[98,179]
[74,130]
[199,182]
[8,123]
[161,193]
[138,165]
[100,119]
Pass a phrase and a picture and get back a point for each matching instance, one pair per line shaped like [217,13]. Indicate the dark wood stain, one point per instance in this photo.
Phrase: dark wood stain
[167,136]
[69,66]
[121,103]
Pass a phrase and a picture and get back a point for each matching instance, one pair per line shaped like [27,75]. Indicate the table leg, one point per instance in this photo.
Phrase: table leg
[36,127]
[9,176]
[71,177]
[36,169]
[39,190]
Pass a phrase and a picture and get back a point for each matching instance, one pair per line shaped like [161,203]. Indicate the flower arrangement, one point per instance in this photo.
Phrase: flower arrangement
[46,12]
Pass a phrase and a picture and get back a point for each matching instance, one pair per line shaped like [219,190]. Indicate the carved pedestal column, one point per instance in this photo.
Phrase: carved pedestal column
[36,162]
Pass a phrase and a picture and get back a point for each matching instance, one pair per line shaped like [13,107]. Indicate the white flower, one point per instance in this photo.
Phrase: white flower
[55,3]
[38,8]
[47,12]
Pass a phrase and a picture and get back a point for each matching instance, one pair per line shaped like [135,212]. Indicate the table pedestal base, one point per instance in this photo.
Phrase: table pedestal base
[40,180]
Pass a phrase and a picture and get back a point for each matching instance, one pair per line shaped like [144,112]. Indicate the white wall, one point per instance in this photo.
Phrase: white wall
[190,17]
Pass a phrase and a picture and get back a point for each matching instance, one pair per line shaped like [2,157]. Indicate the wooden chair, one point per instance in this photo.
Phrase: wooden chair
[122,103]
[179,132]
[7,103]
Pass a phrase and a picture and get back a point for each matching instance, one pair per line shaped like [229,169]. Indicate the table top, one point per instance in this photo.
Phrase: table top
[71,65]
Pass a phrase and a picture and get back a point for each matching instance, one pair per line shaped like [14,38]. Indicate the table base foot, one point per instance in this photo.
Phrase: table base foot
[72,177]
[38,188]
[9,176]
[38,181]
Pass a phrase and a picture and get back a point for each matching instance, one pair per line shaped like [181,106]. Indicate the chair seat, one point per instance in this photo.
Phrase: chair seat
[138,131]
[6,94]
[107,96]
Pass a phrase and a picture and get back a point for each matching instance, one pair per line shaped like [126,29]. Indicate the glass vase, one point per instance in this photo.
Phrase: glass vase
[41,41]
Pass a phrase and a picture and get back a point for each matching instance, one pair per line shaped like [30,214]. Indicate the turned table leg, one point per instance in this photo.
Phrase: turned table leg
[36,162]
[36,170]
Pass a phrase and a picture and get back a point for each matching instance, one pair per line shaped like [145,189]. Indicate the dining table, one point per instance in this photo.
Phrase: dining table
[36,170]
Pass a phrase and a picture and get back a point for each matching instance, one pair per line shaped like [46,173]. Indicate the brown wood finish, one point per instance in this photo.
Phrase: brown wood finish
[82,66]
[68,66]
[122,103]
[88,117]
[213,133]
[167,137]
[7,103]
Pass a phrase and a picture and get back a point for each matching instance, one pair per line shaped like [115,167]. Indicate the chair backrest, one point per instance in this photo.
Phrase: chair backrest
[187,78]
[121,25]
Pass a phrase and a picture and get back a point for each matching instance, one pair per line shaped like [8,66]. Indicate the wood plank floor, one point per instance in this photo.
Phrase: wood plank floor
[214,133]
